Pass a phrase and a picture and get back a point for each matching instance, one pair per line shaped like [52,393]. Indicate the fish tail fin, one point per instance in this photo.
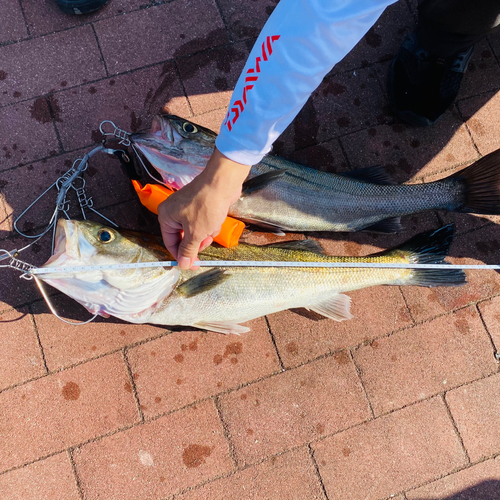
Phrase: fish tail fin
[431,247]
[482,185]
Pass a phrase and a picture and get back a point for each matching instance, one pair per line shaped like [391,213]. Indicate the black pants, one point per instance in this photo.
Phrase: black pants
[446,27]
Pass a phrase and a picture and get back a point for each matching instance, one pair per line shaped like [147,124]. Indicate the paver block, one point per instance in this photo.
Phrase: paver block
[425,360]
[189,365]
[246,20]
[478,247]
[129,101]
[490,312]
[327,156]
[480,113]
[159,33]
[49,479]
[382,40]
[65,344]
[63,59]
[476,410]
[12,25]
[294,407]
[408,153]
[209,77]
[343,103]
[482,73]
[481,481]
[290,476]
[156,459]
[64,409]
[44,16]
[303,335]
[390,454]
[20,355]
[27,134]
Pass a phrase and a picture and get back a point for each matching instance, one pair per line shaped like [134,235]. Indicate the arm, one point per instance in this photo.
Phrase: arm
[298,46]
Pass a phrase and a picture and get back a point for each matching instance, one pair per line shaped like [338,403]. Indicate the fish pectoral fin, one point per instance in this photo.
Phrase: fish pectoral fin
[391,225]
[299,245]
[141,301]
[202,282]
[336,307]
[375,174]
[225,327]
[261,181]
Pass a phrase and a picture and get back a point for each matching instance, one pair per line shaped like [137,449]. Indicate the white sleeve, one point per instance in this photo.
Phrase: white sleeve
[298,46]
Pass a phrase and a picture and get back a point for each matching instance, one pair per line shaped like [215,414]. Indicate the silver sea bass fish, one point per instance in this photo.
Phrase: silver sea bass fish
[285,196]
[219,299]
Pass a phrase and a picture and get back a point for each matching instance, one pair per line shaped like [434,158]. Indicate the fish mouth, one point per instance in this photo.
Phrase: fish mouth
[161,135]
[70,245]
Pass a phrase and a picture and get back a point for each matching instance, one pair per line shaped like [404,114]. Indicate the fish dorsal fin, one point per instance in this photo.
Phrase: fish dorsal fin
[202,282]
[375,174]
[337,307]
[261,181]
[391,225]
[225,327]
[300,245]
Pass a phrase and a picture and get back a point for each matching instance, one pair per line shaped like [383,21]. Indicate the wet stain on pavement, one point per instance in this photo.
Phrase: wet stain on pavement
[40,111]
[3,75]
[56,109]
[342,358]
[195,455]
[292,348]
[373,39]
[234,348]
[71,391]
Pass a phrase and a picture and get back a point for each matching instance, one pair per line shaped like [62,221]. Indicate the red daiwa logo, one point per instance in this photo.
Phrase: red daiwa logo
[251,77]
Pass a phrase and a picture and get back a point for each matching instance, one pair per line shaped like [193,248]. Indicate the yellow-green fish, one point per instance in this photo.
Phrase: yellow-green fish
[220,298]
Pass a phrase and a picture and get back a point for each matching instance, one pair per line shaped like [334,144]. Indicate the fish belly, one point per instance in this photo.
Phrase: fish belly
[253,292]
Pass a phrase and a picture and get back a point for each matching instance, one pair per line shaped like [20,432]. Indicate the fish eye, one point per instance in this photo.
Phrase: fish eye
[189,128]
[105,236]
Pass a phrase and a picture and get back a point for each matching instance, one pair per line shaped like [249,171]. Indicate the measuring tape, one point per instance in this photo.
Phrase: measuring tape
[250,263]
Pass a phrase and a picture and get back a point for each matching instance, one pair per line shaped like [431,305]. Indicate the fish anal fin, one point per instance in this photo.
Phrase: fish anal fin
[391,225]
[375,174]
[261,181]
[337,307]
[226,327]
[202,282]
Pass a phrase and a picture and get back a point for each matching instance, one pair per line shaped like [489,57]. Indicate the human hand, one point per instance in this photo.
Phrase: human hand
[200,208]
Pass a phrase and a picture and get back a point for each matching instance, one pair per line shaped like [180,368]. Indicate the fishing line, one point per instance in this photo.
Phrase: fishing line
[249,263]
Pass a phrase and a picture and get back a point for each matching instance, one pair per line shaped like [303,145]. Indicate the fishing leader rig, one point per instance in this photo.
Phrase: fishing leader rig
[72,181]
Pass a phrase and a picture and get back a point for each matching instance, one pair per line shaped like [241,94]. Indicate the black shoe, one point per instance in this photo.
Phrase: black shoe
[80,6]
[422,86]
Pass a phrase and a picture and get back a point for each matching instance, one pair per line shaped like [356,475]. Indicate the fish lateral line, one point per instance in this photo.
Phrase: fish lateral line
[263,264]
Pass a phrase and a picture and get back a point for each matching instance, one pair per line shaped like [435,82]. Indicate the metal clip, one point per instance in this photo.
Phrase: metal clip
[117,132]
[17,264]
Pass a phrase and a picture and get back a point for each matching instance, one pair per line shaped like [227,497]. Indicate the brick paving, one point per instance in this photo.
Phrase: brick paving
[400,402]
